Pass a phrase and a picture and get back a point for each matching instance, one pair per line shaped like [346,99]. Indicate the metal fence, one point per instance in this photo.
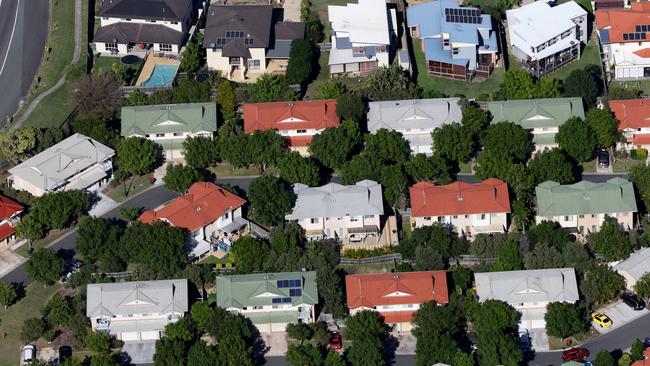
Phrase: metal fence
[127,90]
[116,274]
[379,259]
[325,46]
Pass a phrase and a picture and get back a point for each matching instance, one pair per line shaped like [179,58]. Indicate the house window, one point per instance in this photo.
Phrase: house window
[566,34]
[455,216]
[165,47]
[105,18]
[160,135]
[358,51]
[248,41]
[441,219]
[226,215]
[369,216]
[147,135]
[427,218]
[482,216]
[593,216]
[467,216]
[314,220]
[568,218]
[178,134]
[174,23]
[581,216]
[111,46]
[455,50]
[254,64]
[151,21]
[354,218]
[380,49]
[445,42]
[258,307]
[301,131]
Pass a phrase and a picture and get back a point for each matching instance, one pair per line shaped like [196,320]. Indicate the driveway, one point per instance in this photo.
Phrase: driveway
[620,314]
[9,260]
[406,343]
[291,10]
[276,343]
[539,339]
[140,352]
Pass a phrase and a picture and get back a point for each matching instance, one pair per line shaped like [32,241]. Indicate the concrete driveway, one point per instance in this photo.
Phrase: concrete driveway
[406,345]
[620,314]
[539,339]
[140,352]
[276,343]
[9,260]
[291,10]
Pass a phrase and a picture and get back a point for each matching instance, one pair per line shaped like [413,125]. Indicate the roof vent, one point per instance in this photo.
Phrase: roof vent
[460,197]
[396,276]
[587,197]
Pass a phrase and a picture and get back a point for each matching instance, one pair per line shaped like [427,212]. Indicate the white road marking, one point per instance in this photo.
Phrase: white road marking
[13,31]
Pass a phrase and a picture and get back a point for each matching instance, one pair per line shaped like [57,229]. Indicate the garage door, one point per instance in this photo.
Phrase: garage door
[538,324]
[130,336]
[148,336]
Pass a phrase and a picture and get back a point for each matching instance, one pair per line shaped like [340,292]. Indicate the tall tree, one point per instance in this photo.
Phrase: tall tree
[367,332]
[97,237]
[265,147]
[611,241]
[604,358]
[577,139]
[508,258]
[270,199]
[250,254]
[335,146]
[430,169]
[137,156]
[453,142]
[7,294]
[226,98]
[331,88]
[44,266]
[193,54]
[604,125]
[496,328]
[297,169]
[387,147]
[179,177]
[601,284]
[302,56]
[158,248]
[436,330]
[642,286]
[564,319]
[544,256]
[19,143]
[200,152]
[553,165]
[640,175]
[518,84]
[548,87]
[350,106]
[580,83]
[96,94]
[509,138]
[272,88]
[391,83]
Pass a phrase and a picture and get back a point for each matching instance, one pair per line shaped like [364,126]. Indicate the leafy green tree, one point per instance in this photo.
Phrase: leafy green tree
[549,232]
[226,97]
[604,358]
[19,143]
[564,319]
[611,241]
[270,199]
[170,352]
[32,329]
[158,248]
[272,88]
[453,142]
[57,210]
[580,83]
[233,351]
[553,165]
[387,147]
[137,98]
[137,156]
[201,354]
[618,93]
[625,360]
[331,290]
[433,169]
[436,331]
[333,358]
[601,284]
[299,331]
[604,125]
[200,314]
[57,312]
[493,164]
[192,56]
[7,294]
[350,106]
[577,257]
[302,56]
[518,84]
[98,343]
[544,256]
[190,91]
[184,329]
[509,138]
[179,178]
[496,328]
[367,332]
[266,147]
[297,169]
[249,253]
[44,266]
[391,83]
[334,146]
[331,88]
[97,128]
[463,359]
[642,286]
[636,350]
[461,279]
[508,258]
[97,237]
[640,176]
[30,228]
[475,121]
[577,139]
[303,355]
[548,87]
[200,152]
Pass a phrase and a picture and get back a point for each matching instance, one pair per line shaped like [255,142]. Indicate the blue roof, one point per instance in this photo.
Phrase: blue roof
[604,36]
[433,51]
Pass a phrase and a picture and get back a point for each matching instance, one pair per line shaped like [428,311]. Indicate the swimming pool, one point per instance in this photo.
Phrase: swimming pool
[161,75]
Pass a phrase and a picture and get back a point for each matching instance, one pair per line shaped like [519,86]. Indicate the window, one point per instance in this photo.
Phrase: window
[165,47]
[369,216]
[151,21]
[427,218]
[234,60]
[552,41]
[258,307]
[105,18]
[234,34]
[441,219]
[226,215]
[174,23]
[147,135]
[482,216]
[467,216]
[566,34]
[358,50]
[380,49]
[160,135]
[301,131]
[248,41]
[593,216]
[354,218]
[314,220]
[254,64]
[445,42]
[455,50]
[295,292]
[455,216]
[568,218]
[111,46]
[178,134]
[581,216]
[220,41]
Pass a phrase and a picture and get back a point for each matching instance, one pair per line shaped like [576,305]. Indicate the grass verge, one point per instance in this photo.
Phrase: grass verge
[226,170]
[42,243]
[119,193]
[623,166]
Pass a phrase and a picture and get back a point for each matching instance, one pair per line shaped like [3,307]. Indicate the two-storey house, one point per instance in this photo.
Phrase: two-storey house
[545,37]
[243,42]
[136,26]
[363,36]
[541,117]
[458,42]
[396,296]
[170,124]
[415,119]
[582,207]
[270,300]
[211,214]
[529,291]
[9,216]
[470,209]
[633,118]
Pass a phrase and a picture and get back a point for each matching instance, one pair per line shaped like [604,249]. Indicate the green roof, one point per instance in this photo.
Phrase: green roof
[615,195]
[544,138]
[239,291]
[169,118]
[537,113]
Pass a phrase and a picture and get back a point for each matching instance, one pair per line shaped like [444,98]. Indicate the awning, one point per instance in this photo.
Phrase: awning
[198,247]
[236,224]
[368,229]
[87,178]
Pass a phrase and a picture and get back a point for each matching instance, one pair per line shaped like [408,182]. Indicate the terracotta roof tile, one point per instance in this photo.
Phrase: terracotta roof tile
[644,52]
[6,230]
[9,207]
[641,139]
[631,114]
[620,21]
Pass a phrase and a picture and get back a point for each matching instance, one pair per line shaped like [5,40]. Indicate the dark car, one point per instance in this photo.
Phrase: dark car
[575,354]
[65,352]
[603,159]
[632,301]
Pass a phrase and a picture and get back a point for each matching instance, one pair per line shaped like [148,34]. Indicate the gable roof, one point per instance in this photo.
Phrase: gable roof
[170,10]
[336,200]
[122,32]
[631,114]
[616,22]
[636,265]
[203,204]
[311,114]
[413,114]
[541,285]
[9,207]
[138,297]
[168,118]
[584,197]
[537,113]
[364,22]
[52,167]
[239,291]
[371,290]
[460,198]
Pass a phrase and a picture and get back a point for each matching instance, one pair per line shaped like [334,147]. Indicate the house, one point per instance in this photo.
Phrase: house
[9,216]
[270,300]
[395,296]
[363,37]
[582,207]
[646,359]
[529,291]
[470,209]
[415,119]
[78,162]
[352,214]
[545,37]
[458,42]
[136,312]
[624,40]
[633,122]
[136,26]
[635,266]
[541,117]
[243,42]
[211,214]
[170,124]
[608,4]
[297,121]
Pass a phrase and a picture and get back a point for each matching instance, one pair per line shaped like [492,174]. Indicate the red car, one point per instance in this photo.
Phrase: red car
[575,354]
[335,341]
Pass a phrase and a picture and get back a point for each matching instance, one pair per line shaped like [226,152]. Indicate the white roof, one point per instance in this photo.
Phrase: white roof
[636,265]
[540,285]
[336,200]
[413,114]
[365,22]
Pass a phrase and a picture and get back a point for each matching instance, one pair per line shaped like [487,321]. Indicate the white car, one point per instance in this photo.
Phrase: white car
[29,353]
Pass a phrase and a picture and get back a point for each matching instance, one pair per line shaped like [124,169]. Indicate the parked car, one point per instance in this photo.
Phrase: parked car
[65,352]
[632,301]
[575,354]
[524,339]
[335,341]
[603,159]
[29,353]
[601,319]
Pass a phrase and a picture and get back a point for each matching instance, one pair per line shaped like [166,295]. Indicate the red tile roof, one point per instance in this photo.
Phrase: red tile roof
[203,204]
[9,207]
[370,290]
[6,230]
[300,141]
[644,362]
[641,139]
[631,114]
[460,198]
[621,21]
[644,52]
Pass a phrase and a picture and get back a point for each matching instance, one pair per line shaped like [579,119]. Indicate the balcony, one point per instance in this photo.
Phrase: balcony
[102,325]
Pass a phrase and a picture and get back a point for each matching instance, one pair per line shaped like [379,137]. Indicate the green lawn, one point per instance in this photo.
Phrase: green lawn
[226,170]
[590,56]
[119,193]
[643,85]
[622,166]
[52,110]
[589,166]
[52,236]
[11,320]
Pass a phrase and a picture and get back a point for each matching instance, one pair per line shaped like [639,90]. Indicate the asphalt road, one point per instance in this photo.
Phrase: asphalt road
[23,32]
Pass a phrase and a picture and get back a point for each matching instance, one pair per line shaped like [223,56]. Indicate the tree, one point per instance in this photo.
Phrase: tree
[604,358]
[475,121]
[334,146]
[233,351]
[299,331]
[564,319]
[553,165]
[57,312]
[493,164]
[391,83]
[97,128]
[32,329]
[387,147]
[509,138]
[96,94]
[331,88]
[453,142]
[496,329]
[44,266]
[158,248]
[137,156]
[184,329]
[333,358]
[601,284]
[201,354]
[179,178]
[200,314]
[18,144]
[508,258]
[549,232]
[137,98]
[577,139]
[640,175]
[433,169]
[518,84]
[301,61]
[463,359]
[7,294]
[580,83]
[272,88]
[611,241]
[30,228]
[366,331]
[297,169]
[266,147]
[636,350]
[97,237]
[548,87]
[188,90]
[604,125]
[250,254]
[192,56]
[98,343]
[642,286]
[303,355]
[128,214]
[226,97]
[200,152]
[170,352]
[350,106]
[270,199]
[618,93]
[544,256]
[436,330]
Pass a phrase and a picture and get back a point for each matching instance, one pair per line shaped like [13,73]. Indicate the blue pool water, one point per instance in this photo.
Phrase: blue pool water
[161,75]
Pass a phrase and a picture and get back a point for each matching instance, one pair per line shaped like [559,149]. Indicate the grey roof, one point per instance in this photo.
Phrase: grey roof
[138,297]
[515,287]
[289,30]
[254,20]
[336,200]
[239,291]
[170,10]
[636,265]
[138,33]
[413,114]
[52,167]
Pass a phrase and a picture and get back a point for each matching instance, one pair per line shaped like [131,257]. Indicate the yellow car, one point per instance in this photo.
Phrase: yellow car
[601,319]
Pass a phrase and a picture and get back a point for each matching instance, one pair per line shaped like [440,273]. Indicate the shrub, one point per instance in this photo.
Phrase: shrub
[639,154]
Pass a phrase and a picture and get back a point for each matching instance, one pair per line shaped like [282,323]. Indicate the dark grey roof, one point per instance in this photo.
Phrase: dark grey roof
[289,30]
[170,10]
[136,33]
[280,49]
[254,20]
